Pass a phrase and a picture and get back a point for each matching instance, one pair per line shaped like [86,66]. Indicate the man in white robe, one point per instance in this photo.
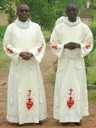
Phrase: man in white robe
[25,45]
[71,41]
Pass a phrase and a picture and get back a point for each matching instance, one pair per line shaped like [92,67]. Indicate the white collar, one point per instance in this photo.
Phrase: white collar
[66,21]
[21,24]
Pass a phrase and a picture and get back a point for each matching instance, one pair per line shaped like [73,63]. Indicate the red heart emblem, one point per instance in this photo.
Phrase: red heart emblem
[29,103]
[70,102]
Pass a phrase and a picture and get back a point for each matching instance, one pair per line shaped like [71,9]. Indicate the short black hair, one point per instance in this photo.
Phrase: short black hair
[71,4]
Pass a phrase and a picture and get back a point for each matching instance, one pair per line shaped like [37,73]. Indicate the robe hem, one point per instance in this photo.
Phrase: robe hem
[70,119]
[15,120]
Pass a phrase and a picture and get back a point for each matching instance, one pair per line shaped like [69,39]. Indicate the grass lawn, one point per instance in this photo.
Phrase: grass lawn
[4,60]
[94,14]
[91,75]
[91,69]
[92,95]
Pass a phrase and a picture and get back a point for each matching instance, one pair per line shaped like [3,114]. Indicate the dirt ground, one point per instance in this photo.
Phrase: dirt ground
[46,68]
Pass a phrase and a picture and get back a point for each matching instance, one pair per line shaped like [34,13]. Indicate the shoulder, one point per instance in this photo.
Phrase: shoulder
[10,27]
[59,20]
[85,26]
[35,25]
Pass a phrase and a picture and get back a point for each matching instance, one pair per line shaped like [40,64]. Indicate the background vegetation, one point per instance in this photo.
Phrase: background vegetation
[44,12]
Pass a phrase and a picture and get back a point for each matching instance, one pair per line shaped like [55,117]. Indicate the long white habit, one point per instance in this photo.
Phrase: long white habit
[70,96]
[26,101]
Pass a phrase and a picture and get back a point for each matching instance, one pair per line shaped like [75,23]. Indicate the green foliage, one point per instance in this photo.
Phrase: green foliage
[2,31]
[60,5]
[92,95]
[93,4]
[10,11]
[91,74]
[93,1]
[46,34]
[41,12]
[90,62]
[94,14]
[46,12]
[91,58]
[4,60]
[8,7]
[93,29]
[94,44]
[3,4]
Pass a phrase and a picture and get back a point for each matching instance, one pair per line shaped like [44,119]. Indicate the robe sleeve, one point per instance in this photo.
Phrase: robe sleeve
[87,43]
[39,50]
[55,45]
[10,50]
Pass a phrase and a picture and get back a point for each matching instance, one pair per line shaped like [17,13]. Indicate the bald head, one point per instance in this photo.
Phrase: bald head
[23,12]
[21,6]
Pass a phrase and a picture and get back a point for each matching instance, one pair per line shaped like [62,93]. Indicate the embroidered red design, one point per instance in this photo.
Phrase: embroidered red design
[29,103]
[29,92]
[70,93]
[87,46]
[9,50]
[54,46]
[70,101]
[40,48]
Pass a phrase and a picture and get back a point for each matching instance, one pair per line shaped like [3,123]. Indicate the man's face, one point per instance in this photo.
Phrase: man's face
[23,13]
[71,11]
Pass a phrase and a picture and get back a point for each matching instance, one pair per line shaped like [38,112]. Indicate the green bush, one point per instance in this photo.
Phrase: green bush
[93,29]
[2,31]
[92,95]
[4,60]
[47,34]
[95,43]
[94,5]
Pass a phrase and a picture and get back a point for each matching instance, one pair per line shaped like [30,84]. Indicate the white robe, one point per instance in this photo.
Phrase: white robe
[70,96]
[26,102]
[59,20]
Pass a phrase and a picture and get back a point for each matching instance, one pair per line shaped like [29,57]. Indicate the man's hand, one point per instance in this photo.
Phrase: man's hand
[26,55]
[72,45]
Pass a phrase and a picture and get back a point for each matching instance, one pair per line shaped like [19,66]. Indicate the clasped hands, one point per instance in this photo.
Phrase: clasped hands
[26,55]
[72,45]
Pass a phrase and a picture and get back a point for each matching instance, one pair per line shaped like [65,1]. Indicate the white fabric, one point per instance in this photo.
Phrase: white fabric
[59,20]
[71,70]
[25,75]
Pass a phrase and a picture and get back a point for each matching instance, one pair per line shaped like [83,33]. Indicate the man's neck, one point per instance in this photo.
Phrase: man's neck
[23,23]
[72,20]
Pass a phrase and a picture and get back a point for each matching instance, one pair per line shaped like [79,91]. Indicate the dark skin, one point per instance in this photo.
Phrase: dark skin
[23,15]
[71,11]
